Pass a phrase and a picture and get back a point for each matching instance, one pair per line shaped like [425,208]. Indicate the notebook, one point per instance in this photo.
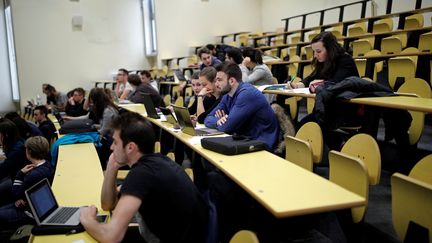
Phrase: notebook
[45,209]
[185,122]
[149,106]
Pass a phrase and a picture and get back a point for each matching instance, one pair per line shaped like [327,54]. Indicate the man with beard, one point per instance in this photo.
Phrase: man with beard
[243,109]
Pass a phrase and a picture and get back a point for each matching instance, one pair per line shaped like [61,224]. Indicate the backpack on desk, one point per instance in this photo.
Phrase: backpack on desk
[77,126]
[232,145]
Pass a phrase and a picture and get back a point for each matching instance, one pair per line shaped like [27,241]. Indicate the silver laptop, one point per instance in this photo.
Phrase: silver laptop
[45,209]
[185,122]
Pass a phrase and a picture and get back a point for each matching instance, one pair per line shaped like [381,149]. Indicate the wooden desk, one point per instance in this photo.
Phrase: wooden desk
[77,182]
[283,188]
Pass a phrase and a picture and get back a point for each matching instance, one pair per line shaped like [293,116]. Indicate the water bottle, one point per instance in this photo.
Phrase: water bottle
[38,100]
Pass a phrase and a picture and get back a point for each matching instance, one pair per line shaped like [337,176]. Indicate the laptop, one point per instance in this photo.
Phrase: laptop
[58,117]
[170,118]
[185,122]
[149,106]
[178,76]
[45,209]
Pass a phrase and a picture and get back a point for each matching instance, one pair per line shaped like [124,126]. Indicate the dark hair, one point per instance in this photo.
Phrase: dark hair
[22,125]
[135,128]
[100,101]
[124,71]
[196,75]
[254,55]
[42,109]
[211,47]
[235,54]
[37,147]
[232,70]
[145,73]
[134,79]
[9,132]
[209,73]
[49,88]
[80,90]
[326,69]
[203,50]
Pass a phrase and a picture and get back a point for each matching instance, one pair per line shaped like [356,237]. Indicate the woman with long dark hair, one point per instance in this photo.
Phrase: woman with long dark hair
[330,62]
[104,110]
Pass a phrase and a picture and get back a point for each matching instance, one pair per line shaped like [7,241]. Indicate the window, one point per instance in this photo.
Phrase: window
[11,51]
[149,27]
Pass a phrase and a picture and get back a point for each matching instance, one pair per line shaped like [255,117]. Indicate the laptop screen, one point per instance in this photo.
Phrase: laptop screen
[149,106]
[41,199]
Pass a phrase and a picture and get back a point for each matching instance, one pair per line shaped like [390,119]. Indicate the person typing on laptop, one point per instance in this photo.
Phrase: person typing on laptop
[37,149]
[156,188]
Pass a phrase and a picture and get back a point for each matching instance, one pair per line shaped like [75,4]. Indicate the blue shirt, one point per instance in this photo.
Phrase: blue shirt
[214,62]
[249,114]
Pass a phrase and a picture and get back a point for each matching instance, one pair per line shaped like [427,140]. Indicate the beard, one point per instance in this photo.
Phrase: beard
[226,89]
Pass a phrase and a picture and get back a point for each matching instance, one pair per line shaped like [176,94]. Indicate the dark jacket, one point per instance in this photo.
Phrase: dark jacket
[15,160]
[75,110]
[136,96]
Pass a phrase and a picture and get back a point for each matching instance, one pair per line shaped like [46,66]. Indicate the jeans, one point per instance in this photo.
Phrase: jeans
[13,216]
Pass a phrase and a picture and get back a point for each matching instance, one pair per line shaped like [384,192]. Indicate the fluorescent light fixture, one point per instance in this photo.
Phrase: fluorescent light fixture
[148,7]
[11,52]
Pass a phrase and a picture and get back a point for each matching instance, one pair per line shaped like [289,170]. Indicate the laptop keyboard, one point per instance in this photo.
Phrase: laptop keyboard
[63,215]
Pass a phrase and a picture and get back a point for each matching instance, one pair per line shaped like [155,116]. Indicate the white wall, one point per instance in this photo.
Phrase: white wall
[275,10]
[50,51]
[186,23]
[6,103]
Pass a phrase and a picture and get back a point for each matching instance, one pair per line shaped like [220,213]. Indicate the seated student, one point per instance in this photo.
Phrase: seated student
[207,58]
[196,87]
[243,109]
[259,73]
[45,125]
[75,104]
[331,65]
[156,188]
[104,111]
[26,129]
[235,55]
[143,88]
[55,99]
[13,147]
[146,78]
[37,149]
[123,88]
[209,96]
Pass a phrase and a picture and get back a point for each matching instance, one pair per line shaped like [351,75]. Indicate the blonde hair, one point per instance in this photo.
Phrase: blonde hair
[37,147]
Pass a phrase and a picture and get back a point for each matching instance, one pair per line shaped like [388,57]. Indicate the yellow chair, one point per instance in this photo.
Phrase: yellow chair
[400,67]
[191,101]
[243,39]
[361,47]
[413,51]
[299,152]
[179,101]
[383,25]
[391,45]
[311,132]
[295,39]
[421,89]
[422,171]
[350,173]
[357,29]
[378,67]
[364,147]
[167,100]
[307,70]
[414,21]
[425,42]
[192,60]
[244,236]
[188,91]
[361,66]
[309,52]
[411,202]
[171,156]
[189,172]
[292,102]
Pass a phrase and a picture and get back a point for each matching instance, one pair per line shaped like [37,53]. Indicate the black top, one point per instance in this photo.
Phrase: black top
[171,205]
[75,110]
[136,96]
[193,108]
[48,129]
[15,160]
[345,68]
[210,102]
[25,181]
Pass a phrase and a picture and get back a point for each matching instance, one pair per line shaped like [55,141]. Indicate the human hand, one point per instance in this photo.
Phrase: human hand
[222,120]
[88,214]
[113,164]
[246,61]
[204,92]
[71,101]
[27,168]
[220,113]
[20,203]
[314,84]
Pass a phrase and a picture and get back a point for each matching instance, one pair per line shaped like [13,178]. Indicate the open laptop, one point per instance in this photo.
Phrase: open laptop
[178,76]
[185,122]
[170,118]
[45,209]
[58,117]
[149,106]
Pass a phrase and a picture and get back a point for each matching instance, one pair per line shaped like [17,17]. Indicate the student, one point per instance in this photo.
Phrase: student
[37,149]
[196,87]
[146,78]
[55,99]
[243,109]
[104,110]
[330,62]
[75,104]
[143,88]
[26,129]
[123,88]
[209,96]
[13,147]
[45,125]
[156,188]
[259,73]
[235,55]
[207,58]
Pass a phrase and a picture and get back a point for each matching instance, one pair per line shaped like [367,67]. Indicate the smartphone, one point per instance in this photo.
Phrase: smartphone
[102,218]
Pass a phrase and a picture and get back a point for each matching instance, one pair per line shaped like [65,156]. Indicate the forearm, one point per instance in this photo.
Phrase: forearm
[109,189]
[200,105]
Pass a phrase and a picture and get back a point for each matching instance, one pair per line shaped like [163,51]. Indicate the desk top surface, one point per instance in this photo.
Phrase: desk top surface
[283,188]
